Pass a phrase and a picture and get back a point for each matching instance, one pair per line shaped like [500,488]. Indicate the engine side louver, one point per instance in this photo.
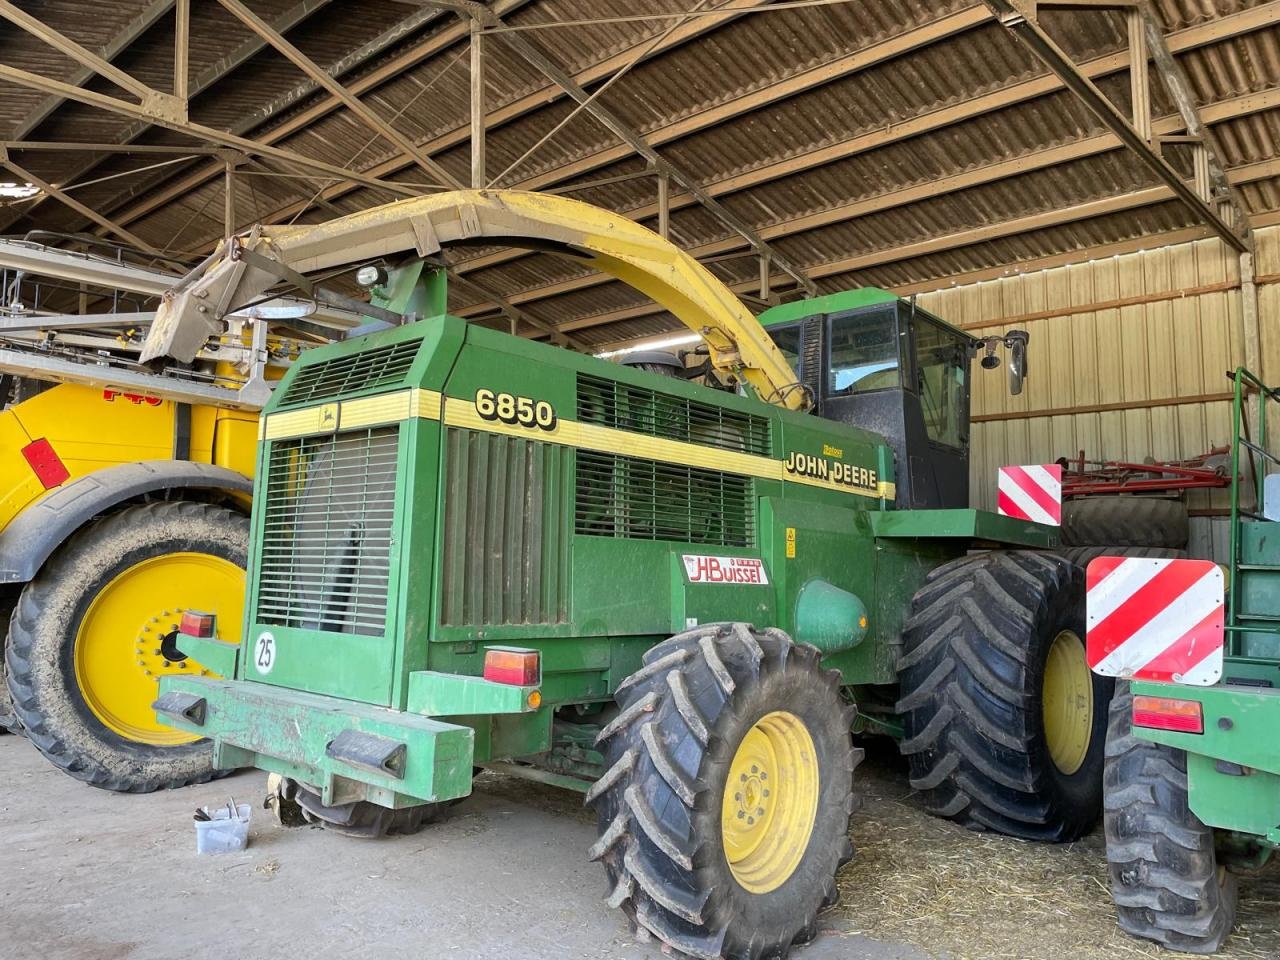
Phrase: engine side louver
[506,537]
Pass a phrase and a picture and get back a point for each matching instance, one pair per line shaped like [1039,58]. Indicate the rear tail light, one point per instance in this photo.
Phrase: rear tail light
[45,463]
[196,624]
[514,665]
[1168,713]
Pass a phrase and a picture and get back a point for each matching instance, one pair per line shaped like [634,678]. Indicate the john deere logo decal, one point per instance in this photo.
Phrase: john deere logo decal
[832,471]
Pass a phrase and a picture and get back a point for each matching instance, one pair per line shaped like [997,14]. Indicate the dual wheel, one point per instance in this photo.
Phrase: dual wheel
[94,632]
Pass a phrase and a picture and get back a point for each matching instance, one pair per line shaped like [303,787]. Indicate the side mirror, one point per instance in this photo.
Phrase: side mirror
[1016,341]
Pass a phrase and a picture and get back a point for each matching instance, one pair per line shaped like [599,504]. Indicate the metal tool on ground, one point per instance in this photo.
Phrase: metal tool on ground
[1192,782]
[472,551]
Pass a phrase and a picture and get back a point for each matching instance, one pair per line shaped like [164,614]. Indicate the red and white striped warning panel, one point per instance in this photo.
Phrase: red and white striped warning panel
[1155,619]
[1030,493]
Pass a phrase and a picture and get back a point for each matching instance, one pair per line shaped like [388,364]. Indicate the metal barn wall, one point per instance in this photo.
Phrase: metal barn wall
[1127,356]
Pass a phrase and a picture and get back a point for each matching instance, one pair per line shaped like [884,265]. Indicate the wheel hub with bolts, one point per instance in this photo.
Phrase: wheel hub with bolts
[119,683]
[770,802]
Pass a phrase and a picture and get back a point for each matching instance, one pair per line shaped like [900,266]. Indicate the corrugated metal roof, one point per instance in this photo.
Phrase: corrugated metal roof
[852,135]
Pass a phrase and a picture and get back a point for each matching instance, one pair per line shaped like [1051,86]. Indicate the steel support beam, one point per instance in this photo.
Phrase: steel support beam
[1179,88]
[478,179]
[964,238]
[539,98]
[537,58]
[917,193]
[199,131]
[1022,24]
[26,175]
[202,81]
[154,100]
[335,89]
[117,45]
[77,146]
[408,59]
[1235,25]
[182,49]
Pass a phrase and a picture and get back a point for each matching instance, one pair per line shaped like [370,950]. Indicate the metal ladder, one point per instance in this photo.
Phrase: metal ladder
[1253,593]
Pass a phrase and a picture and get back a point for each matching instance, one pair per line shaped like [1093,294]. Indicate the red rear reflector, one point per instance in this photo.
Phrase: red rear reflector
[1166,713]
[196,624]
[45,463]
[513,665]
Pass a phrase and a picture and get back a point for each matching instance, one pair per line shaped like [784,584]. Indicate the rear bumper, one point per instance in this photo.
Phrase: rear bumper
[346,750]
[1233,768]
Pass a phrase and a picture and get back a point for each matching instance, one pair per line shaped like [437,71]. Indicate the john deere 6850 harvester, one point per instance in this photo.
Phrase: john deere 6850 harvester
[469,550]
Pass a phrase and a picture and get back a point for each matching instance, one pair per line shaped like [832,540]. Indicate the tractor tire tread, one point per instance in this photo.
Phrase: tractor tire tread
[1165,878]
[1124,521]
[653,870]
[968,701]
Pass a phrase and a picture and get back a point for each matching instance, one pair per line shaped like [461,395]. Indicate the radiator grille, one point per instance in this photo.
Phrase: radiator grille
[638,499]
[506,539]
[326,537]
[365,370]
[641,410]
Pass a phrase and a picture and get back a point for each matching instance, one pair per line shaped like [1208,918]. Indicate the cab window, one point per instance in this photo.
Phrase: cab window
[787,340]
[941,364]
[864,353]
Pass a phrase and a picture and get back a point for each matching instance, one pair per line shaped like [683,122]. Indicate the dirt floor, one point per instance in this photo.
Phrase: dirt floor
[97,876]
[974,896]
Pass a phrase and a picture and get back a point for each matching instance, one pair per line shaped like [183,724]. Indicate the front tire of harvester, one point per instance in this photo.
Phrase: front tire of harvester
[1166,881]
[81,675]
[724,809]
[1004,723]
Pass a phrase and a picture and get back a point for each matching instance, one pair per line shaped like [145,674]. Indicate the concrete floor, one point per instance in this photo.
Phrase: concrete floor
[90,875]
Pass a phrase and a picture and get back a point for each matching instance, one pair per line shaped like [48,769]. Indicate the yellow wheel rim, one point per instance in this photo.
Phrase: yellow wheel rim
[770,802]
[119,646]
[1067,702]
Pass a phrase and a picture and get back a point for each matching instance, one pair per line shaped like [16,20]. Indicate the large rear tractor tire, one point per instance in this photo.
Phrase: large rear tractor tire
[94,631]
[724,809]
[1004,723]
[1124,522]
[1166,881]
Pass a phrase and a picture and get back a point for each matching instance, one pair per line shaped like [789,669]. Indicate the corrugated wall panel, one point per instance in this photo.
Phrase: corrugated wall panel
[1127,356]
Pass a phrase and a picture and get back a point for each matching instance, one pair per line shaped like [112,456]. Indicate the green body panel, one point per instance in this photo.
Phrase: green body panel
[449,695]
[1257,592]
[969,525]
[589,542]
[254,724]
[832,303]
[1233,768]
[215,655]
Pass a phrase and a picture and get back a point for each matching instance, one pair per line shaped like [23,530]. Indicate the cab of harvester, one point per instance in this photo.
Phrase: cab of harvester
[874,360]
